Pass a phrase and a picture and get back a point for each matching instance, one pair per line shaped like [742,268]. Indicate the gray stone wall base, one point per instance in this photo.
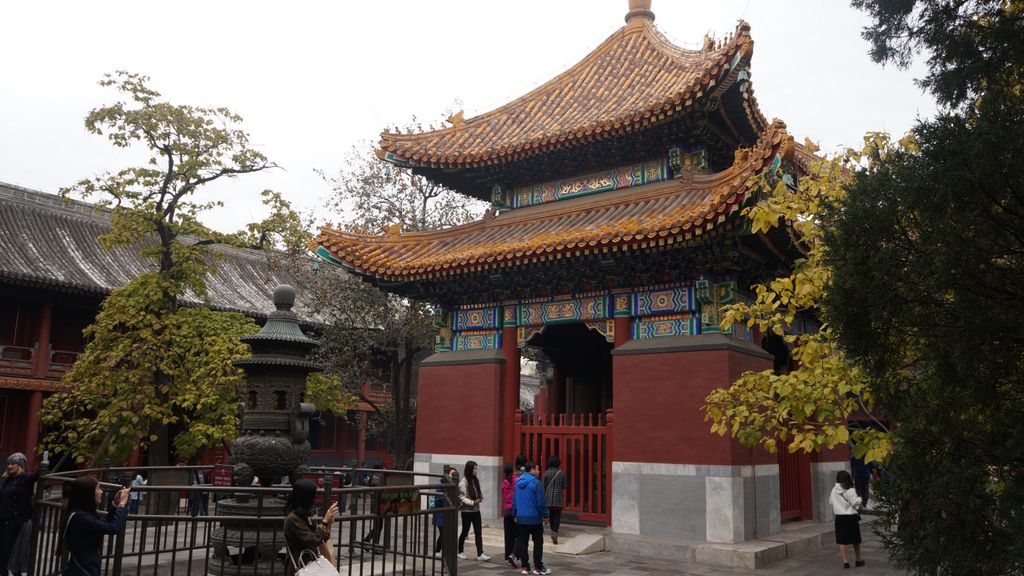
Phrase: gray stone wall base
[795,539]
[489,470]
[695,502]
[823,478]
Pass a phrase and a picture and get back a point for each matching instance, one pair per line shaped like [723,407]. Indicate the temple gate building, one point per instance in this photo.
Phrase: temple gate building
[613,240]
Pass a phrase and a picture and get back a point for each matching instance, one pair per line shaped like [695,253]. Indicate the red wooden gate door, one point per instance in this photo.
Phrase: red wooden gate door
[794,485]
[583,443]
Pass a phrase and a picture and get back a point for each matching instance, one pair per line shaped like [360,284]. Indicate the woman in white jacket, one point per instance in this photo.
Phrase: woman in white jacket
[845,503]
[470,497]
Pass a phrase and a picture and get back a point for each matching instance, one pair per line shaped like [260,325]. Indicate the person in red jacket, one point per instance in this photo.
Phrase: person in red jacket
[508,486]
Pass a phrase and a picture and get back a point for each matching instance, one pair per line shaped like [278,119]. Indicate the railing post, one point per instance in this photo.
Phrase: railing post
[517,433]
[118,551]
[609,420]
[37,516]
[450,524]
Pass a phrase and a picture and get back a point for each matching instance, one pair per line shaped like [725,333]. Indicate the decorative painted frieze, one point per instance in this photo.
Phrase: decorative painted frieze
[613,179]
[687,160]
[713,298]
[499,197]
[667,301]
[524,333]
[668,325]
[478,318]
[468,329]
[665,310]
[510,315]
[477,340]
[605,328]
[565,311]
[623,304]
[443,338]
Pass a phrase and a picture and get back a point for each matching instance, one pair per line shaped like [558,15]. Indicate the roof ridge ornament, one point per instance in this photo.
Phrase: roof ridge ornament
[394,229]
[458,119]
[640,9]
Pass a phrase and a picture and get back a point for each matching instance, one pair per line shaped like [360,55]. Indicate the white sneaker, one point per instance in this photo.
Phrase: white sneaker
[483,557]
[462,556]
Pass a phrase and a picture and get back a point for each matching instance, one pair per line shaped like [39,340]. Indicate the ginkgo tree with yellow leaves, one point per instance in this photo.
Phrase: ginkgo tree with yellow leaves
[808,408]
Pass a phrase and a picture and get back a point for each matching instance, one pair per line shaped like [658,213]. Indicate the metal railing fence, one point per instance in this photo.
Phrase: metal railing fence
[185,529]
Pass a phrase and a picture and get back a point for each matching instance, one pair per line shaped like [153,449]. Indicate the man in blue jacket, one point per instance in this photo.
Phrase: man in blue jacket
[531,511]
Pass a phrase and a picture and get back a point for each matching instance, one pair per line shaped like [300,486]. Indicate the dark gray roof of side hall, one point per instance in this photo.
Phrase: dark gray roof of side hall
[51,243]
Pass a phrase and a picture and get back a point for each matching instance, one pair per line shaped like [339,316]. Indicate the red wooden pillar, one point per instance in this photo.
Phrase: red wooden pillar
[623,330]
[510,389]
[41,360]
[135,460]
[40,368]
[32,434]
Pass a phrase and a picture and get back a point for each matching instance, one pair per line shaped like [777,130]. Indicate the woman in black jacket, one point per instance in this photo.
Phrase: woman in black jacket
[84,530]
[15,504]
[301,531]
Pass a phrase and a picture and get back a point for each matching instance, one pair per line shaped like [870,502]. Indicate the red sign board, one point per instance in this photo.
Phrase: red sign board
[221,475]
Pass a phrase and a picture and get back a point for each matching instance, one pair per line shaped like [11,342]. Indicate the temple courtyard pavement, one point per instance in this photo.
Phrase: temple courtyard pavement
[821,562]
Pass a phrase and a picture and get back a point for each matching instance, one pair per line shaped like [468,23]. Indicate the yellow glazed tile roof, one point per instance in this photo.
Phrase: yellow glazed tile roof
[635,78]
[670,211]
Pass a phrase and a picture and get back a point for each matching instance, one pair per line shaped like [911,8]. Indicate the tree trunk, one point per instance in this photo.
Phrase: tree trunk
[159,449]
[401,386]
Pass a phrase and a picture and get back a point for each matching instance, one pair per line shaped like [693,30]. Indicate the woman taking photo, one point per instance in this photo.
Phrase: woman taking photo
[845,503]
[84,530]
[470,498]
[301,532]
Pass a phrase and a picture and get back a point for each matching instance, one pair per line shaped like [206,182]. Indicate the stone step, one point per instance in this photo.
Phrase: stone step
[571,540]
[794,539]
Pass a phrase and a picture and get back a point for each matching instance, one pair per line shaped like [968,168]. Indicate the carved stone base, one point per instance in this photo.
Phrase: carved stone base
[245,548]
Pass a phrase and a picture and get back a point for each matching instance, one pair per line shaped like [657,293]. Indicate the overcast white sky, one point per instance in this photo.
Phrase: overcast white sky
[311,79]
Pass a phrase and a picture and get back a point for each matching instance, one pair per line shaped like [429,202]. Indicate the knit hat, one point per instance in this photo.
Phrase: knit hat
[18,458]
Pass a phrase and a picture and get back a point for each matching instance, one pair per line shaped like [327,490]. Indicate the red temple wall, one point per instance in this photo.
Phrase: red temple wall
[459,409]
[658,400]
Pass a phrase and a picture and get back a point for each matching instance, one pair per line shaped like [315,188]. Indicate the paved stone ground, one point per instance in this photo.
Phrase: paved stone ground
[822,562]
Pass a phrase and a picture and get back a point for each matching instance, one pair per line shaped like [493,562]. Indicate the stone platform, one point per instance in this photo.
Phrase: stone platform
[822,561]
[794,540]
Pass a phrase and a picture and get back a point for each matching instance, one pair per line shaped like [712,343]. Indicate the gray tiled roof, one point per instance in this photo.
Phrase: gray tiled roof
[51,243]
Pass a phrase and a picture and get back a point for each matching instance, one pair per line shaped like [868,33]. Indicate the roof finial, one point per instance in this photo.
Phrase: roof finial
[640,9]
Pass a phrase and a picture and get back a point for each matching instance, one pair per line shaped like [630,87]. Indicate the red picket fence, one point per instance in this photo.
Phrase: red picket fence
[583,442]
[794,486]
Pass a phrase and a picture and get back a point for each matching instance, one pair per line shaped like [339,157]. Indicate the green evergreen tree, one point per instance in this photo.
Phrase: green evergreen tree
[927,292]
